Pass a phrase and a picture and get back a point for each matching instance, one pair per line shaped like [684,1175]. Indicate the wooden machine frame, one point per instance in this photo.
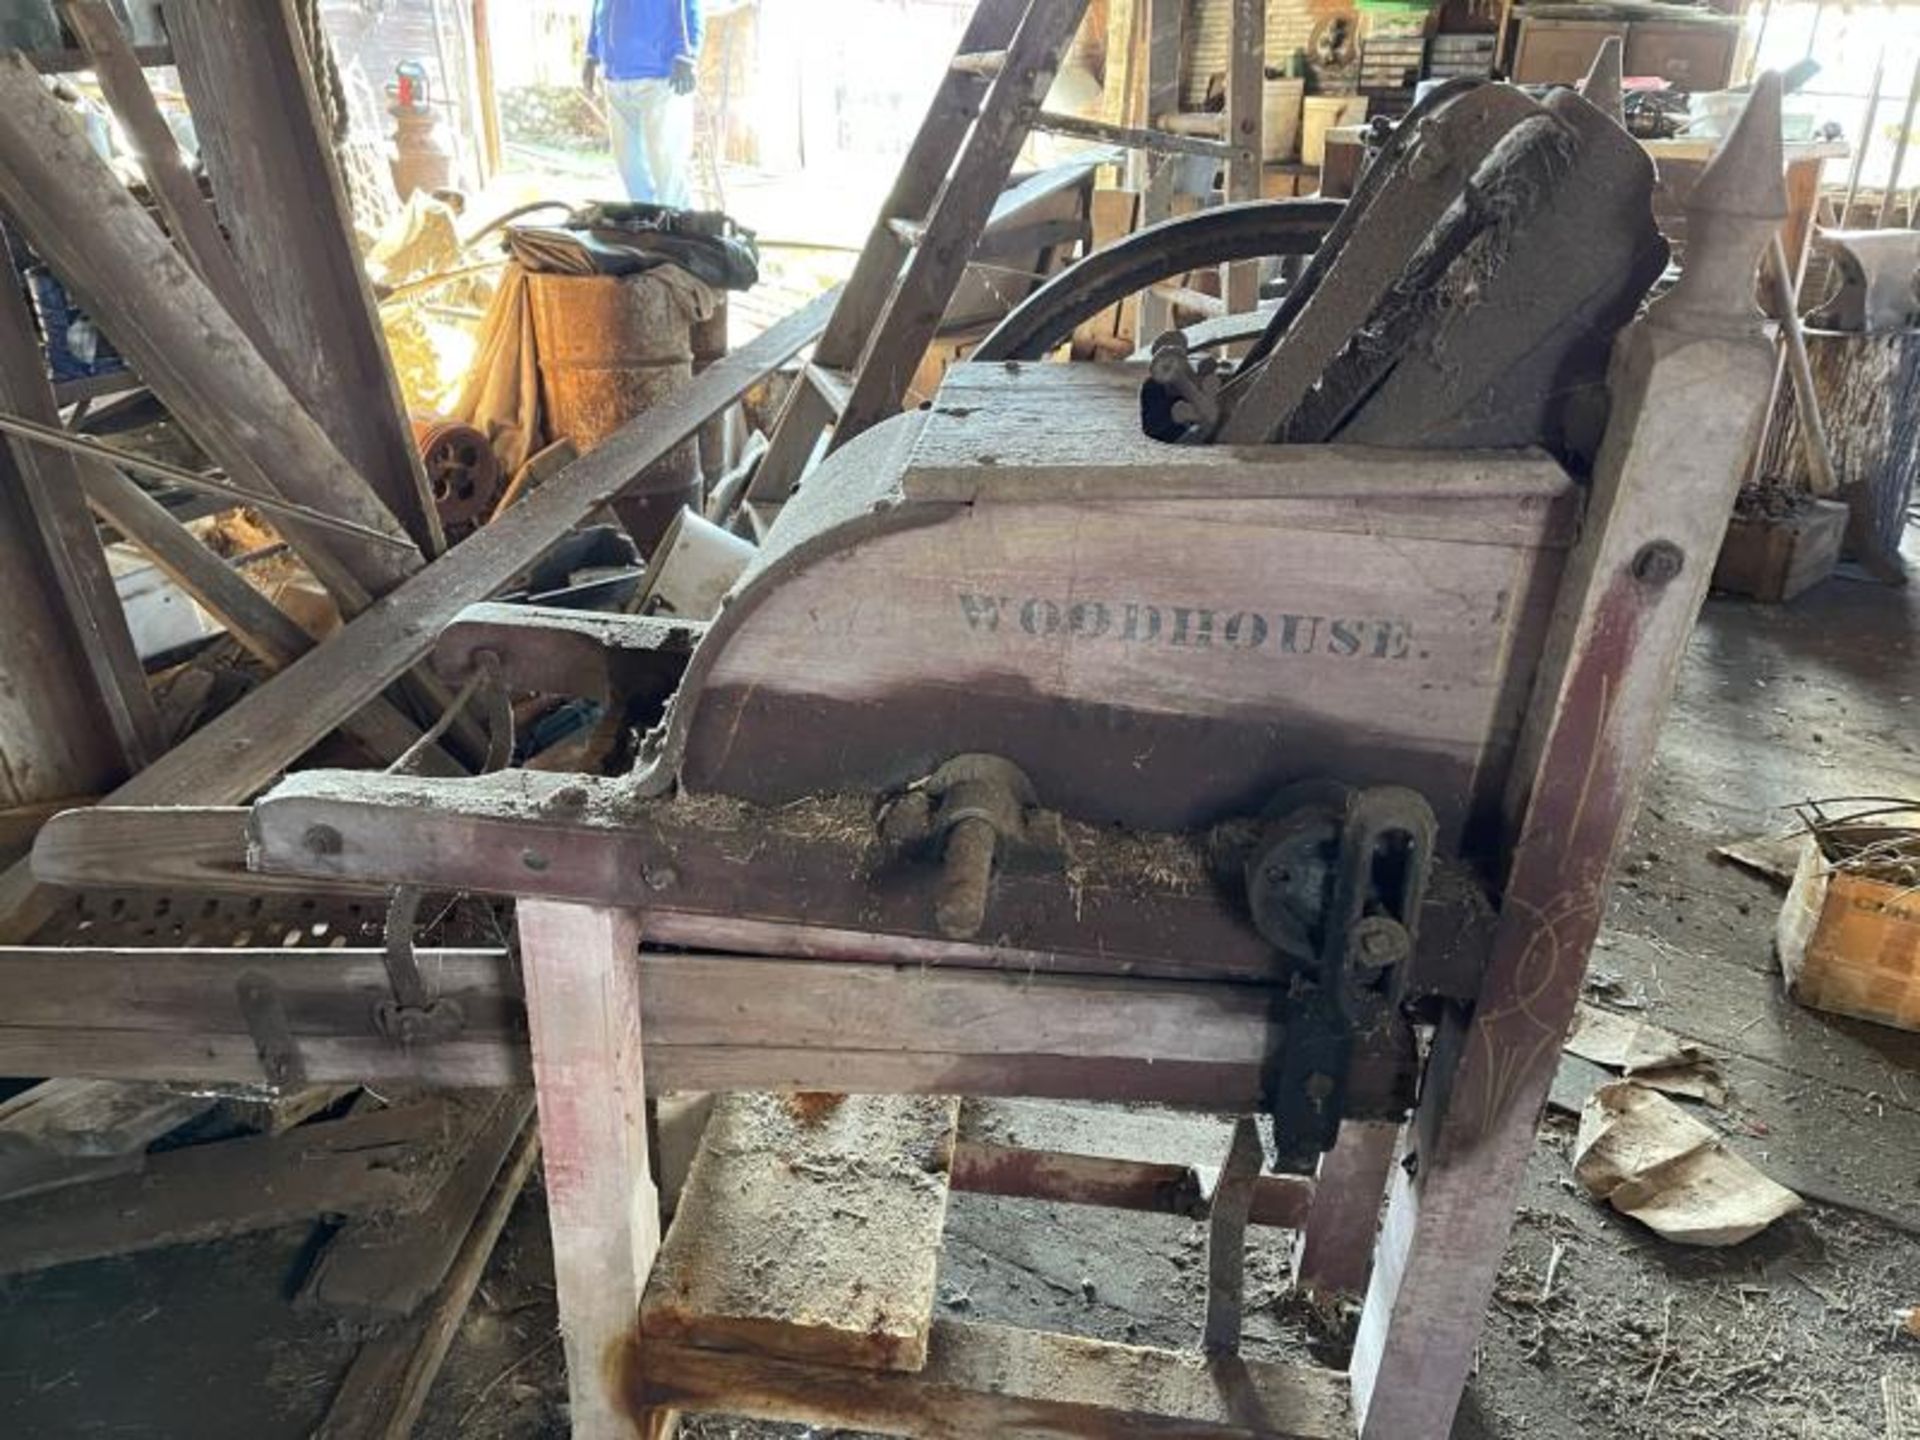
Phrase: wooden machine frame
[822,982]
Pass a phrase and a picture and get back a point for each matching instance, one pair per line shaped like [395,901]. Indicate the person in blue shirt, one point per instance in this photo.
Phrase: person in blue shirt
[648,52]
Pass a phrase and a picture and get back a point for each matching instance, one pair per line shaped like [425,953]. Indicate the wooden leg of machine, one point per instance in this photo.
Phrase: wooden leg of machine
[1689,395]
[1334,1255]
[580,966]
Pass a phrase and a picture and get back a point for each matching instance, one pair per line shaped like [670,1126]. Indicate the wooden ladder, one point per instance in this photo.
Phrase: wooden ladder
[925,234]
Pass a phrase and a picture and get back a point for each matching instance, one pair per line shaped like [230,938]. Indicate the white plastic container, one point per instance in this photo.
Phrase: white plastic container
[1280,102]
[1319,115]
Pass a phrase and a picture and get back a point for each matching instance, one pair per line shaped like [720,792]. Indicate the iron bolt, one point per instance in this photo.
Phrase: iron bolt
[663,877]
[533,860]
[1658,562]
[322,840]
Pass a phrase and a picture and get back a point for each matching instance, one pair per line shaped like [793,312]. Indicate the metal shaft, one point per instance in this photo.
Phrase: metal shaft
[960,908]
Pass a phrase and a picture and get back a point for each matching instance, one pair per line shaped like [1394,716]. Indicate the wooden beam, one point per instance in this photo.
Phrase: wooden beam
[1687,394]
[261,628]
[245,747]
[994,1380]
[189,219]
[1335,1254]
[1246,69]
[70,546]
[277,178]
[176,332]
[584,1013]
[717,1022]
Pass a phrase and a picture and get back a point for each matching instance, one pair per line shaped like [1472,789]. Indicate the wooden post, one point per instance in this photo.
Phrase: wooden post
[1688,383]
[1246,75]
[1334,1254]
[248,82]
[103,670]
[1155,173]
[581,968]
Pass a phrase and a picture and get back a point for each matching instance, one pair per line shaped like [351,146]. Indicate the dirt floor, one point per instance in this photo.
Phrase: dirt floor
[1597,1329]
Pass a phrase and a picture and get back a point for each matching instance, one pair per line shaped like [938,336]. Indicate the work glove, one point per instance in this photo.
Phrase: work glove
[590,75]
[685,75]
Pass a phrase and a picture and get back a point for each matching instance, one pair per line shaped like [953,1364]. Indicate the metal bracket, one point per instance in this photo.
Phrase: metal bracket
[973,809]
[266,1017]
[411,1014]
[1335,885]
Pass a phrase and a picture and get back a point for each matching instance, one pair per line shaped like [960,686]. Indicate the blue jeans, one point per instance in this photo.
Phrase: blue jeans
[652,140]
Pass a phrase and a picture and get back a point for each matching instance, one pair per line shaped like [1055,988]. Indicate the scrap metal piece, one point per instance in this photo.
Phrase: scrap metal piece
[1879,275]
[411,1014]
[1227,1217]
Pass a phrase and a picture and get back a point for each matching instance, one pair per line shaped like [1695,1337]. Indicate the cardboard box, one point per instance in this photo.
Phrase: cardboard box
[1850,943]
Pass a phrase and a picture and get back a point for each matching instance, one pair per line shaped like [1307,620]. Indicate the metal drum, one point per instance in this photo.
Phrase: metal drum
[612,347]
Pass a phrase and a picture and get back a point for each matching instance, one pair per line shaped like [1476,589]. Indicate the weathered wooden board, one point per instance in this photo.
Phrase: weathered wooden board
[65,1131]
[810,1227]
[991,1380]
[1209,628]
[379,1270]
[248,81]
[388,1161]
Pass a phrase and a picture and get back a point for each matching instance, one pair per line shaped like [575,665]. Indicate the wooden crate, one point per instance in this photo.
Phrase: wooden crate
[1851,944]
[1559,52]
[1775,559]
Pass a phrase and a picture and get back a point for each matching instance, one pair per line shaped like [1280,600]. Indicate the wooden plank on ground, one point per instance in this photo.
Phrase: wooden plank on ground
[63,1131]
[75,212]
[387,1385]
[271,157]
[382,1270]
[993,1380]
[810,1227]
[231,757]
[389,1161]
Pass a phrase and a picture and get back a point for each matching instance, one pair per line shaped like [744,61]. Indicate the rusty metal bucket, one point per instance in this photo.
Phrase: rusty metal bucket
[612,347]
